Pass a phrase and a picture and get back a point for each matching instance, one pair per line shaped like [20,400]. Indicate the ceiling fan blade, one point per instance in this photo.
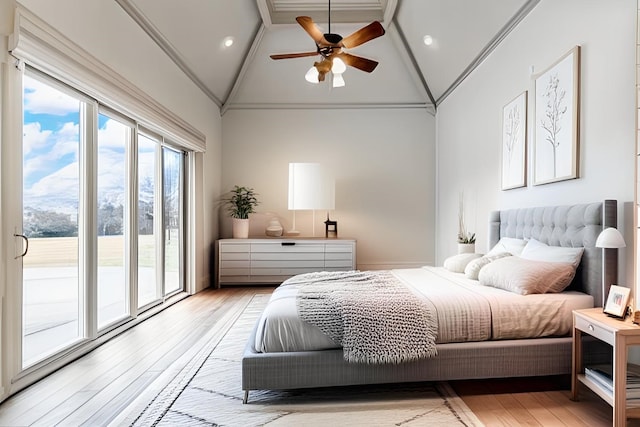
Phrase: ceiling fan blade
[363,35]
[364,64]
[312,29]
[293,55]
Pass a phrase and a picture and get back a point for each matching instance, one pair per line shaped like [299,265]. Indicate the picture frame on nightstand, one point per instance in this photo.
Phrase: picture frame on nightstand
[617,301]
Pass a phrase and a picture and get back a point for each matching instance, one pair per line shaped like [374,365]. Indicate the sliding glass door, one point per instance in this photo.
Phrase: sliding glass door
[173,204]
[113,151]
[52,292]
[102,219]
[160,247]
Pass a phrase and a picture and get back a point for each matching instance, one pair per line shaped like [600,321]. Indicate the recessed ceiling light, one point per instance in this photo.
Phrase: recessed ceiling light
[227,41]
[428,40]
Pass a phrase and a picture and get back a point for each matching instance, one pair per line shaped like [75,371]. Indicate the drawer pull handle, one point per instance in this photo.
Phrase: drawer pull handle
[591,328]
[288,243]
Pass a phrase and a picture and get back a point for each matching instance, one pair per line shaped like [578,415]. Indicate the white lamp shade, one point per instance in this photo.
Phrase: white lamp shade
[610,238]
[312,75]
[338,80]
[338,66]
[311,187]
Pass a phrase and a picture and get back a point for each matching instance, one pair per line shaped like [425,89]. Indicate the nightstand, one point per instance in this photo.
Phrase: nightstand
[619,334]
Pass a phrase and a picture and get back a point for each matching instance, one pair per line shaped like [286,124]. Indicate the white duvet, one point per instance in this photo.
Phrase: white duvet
[466,311]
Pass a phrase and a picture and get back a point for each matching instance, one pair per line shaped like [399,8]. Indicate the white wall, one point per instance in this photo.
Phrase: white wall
[383,161]
[469,120]
[131,53]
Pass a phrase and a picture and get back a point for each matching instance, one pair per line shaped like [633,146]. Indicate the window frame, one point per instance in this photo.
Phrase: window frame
[92,337]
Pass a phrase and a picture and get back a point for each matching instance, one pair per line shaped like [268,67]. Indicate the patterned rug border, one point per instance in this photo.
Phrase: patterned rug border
[157,399]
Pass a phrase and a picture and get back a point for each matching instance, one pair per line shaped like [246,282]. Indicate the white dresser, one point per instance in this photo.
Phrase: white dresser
[272,260]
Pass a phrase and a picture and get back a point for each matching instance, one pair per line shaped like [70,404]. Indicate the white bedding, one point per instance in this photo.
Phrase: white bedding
[466,310]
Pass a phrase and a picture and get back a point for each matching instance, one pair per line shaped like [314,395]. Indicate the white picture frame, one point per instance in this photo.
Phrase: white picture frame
[556,127]
[514,143]
[617,301]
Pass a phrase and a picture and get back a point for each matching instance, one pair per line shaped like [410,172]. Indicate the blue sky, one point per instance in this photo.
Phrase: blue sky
[51,149]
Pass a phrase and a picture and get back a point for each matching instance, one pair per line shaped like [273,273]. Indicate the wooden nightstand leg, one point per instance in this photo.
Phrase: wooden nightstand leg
[620,381]
[576,362]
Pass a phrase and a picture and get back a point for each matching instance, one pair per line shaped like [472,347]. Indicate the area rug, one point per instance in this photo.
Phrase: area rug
[206,391]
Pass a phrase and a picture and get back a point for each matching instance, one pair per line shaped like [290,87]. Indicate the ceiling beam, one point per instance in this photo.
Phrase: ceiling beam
[285,11]
[248,58]
[409,59]
[491,46]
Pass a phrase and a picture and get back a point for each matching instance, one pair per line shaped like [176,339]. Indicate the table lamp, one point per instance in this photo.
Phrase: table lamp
[311,187]
[610,240]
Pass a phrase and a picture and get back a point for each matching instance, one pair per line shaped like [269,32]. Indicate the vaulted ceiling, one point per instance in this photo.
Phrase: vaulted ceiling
[409,73]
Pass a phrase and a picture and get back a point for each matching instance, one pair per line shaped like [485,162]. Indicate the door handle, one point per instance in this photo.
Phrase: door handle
[26,246]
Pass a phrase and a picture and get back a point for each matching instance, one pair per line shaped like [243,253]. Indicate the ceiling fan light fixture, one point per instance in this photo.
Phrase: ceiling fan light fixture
[312,75]
[338,80]
[338,66]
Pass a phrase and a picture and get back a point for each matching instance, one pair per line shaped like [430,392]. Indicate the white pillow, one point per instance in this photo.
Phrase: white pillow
[457,263]
[539,251]
[508,244]
[472,269]
[524,276]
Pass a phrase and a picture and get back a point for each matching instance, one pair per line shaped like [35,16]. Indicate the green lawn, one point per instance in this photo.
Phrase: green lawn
[63,252]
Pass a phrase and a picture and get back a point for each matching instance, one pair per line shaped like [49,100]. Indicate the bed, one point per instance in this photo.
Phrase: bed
[267,364]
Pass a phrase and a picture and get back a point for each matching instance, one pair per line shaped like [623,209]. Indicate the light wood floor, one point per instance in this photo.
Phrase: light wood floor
[95,388]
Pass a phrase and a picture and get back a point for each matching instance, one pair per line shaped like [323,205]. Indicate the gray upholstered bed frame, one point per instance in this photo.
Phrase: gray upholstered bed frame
[576,225]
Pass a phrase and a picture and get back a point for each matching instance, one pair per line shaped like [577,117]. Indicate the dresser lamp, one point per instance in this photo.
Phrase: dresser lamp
[311,187]
[609,239]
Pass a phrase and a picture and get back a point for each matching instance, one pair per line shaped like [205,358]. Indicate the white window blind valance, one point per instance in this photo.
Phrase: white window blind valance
[46,49]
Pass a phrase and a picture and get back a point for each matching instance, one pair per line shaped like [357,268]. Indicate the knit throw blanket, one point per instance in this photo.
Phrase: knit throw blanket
[371,314]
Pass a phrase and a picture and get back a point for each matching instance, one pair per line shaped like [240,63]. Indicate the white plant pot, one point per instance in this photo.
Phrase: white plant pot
[240,228]
[466,248]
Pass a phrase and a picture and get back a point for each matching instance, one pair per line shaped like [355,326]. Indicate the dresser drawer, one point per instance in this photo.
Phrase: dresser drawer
[285,272]
[287,256]
[224,263]
[315,264]
[595,330]
[234,256]
[338,256]
[286,247]
[340,248]
[234,247]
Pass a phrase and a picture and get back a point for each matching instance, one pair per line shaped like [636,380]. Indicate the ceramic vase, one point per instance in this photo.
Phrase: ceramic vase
[466,248]
[274,229]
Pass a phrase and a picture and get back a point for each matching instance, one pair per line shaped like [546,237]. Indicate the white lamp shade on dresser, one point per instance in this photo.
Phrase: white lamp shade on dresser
[311,187]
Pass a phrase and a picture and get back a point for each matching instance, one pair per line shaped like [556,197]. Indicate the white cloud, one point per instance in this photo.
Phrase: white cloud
[113,134]
[40,98]
[63,148]
[34,137]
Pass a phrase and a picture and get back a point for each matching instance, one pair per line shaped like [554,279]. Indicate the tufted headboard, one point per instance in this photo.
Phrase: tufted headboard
[570,226]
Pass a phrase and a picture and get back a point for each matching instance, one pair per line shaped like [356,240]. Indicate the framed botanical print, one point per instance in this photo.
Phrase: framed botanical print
[556,127]
[514,143]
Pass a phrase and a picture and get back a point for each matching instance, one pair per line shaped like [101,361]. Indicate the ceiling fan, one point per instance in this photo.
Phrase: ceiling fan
[331,47]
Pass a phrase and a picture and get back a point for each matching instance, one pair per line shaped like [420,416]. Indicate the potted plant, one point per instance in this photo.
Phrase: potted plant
[240,203]
[466,239]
